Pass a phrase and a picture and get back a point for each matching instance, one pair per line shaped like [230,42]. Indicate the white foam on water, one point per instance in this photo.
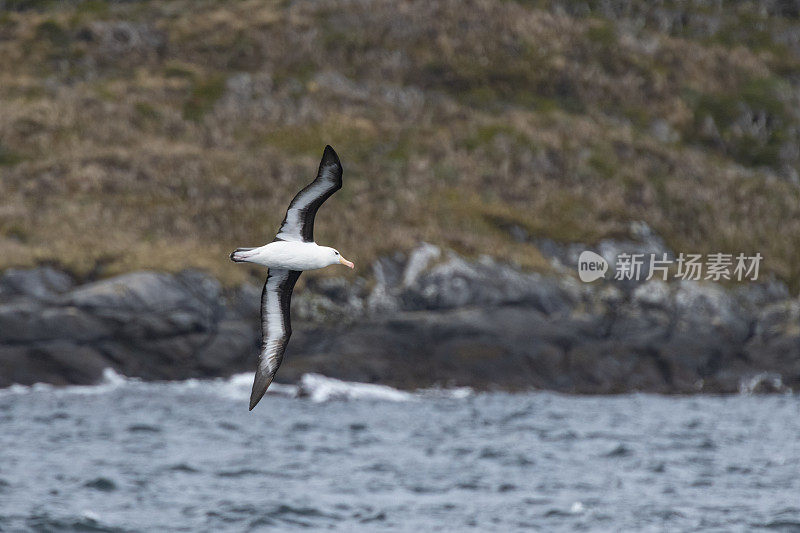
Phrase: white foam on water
[577,508]
[457,393]
[90,515]
[763,382]
[111,380]
[238,387]
[16,388]
[319,388]
[315,387]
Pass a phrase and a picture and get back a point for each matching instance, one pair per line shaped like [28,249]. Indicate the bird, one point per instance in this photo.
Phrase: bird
[286,257]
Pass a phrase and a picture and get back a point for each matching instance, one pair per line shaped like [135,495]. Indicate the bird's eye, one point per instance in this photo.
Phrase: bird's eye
[335,252]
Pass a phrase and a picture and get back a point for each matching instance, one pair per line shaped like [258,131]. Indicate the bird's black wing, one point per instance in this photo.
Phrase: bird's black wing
[298,224]
[276,328]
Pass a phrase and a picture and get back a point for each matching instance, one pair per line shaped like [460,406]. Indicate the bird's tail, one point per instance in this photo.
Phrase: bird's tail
[240,255]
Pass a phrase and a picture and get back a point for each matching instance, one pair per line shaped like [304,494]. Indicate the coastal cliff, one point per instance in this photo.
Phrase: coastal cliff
[429,318]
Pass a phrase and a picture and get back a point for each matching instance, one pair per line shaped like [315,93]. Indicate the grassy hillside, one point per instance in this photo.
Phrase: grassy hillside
[164,134]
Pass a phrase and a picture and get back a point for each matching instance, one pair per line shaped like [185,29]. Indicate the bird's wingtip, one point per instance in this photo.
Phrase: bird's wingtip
[260,386]
[330,156]
[255,399]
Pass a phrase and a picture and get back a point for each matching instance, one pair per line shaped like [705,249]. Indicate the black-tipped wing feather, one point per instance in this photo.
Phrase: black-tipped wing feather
[298,224]
[276,328]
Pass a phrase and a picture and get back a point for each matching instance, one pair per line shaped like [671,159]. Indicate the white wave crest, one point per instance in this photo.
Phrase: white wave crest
[315,387]
[238,387]
[111,380]
[458,393]
[319,388]
[765,382]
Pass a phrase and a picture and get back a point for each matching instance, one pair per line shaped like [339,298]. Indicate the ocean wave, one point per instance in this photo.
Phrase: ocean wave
[236,387]
[319,388]
[765,382]
[315,387]
[111,380]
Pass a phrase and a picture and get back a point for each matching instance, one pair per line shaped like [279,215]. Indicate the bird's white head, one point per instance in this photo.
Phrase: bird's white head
[336,258]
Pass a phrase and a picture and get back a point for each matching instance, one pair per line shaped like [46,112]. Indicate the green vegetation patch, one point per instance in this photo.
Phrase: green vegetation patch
[357,138]
[560,219]
[522,77]
[22,5]
[8,157]
[537,114]
[204,94]
[750,124]
[53,32]
[485,134]
[602,33]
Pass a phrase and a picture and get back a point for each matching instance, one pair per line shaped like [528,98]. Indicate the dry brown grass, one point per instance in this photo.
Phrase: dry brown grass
[163,134]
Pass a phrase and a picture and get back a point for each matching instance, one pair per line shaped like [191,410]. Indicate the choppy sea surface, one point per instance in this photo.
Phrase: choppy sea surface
[132,456]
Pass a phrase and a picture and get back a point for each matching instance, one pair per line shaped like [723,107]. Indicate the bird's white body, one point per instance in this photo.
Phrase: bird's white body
[290,255]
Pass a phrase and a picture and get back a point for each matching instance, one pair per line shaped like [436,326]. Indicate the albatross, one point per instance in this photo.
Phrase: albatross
[286,257]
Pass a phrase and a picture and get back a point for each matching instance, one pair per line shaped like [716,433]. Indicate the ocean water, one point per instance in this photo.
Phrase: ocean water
[131,456]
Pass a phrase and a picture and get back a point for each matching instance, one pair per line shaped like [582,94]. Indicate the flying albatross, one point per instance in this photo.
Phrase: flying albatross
[292,251]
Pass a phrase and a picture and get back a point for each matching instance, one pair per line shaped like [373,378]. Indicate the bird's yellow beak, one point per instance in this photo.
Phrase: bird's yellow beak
[345,262]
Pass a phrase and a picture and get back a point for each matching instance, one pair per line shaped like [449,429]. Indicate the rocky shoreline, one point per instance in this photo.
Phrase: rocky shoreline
[431,318]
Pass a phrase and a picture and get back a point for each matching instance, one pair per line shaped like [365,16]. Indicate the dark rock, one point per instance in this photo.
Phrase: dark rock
[426,282]
[16,367]
[39,283]
[431,318]
[58,362]
[29,321]
[232,348]
[245,303]
[18,322]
